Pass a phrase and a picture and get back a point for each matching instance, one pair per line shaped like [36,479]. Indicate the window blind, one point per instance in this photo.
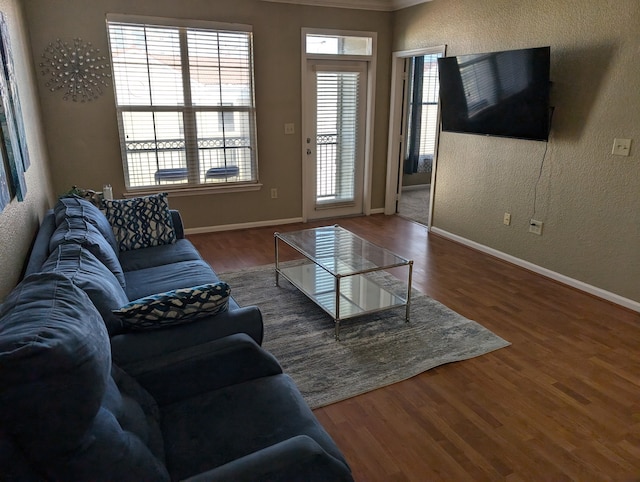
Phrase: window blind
[185,102]
[337,128]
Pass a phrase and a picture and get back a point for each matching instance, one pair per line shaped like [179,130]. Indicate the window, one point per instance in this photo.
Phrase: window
[338,44]
[185,103]
[422,125]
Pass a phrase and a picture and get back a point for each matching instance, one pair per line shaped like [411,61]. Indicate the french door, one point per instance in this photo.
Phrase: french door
[335,138]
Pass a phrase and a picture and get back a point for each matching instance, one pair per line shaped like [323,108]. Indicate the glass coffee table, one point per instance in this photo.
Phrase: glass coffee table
[341,272]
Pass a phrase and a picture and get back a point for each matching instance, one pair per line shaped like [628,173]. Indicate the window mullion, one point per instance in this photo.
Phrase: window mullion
[189,115]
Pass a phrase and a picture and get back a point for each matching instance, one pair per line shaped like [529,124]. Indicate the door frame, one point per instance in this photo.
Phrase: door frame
[311,176]
[369,111]
[396,130]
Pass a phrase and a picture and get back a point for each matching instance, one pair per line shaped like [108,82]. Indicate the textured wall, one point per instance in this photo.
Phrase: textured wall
[588,199]
[19,220]
[83,138]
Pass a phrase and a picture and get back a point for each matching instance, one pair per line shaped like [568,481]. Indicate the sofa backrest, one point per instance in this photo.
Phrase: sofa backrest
[93,277]
[65,412]
[74,207]
[82,232]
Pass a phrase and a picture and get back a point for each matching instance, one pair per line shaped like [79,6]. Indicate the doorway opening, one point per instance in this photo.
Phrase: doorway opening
[413,137]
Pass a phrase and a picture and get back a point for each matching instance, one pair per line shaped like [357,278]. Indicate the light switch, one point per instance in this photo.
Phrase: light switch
[621,147]
[289,128]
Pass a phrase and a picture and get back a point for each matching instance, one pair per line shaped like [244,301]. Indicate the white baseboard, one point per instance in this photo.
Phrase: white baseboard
[416,187]
[257,224]
[231,227]
[574,283]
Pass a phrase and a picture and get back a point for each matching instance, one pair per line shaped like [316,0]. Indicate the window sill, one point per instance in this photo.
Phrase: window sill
[193,191]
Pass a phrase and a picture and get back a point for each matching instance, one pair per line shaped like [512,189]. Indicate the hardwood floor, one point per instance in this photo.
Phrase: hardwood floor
[561,403]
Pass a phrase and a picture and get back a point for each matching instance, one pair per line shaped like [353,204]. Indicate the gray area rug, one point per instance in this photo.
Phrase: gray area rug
[374,350]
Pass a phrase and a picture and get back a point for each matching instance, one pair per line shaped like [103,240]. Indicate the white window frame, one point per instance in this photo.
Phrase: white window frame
[194,187]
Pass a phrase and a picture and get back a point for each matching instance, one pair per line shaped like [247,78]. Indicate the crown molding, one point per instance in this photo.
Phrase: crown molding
[379,5]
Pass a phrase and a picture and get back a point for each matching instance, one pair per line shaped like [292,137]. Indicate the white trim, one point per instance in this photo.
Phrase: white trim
[395,142]
[233,227]
[255,224]
[194,191]
[369,122]
[177,22]
[415,187]
[377,5]
[574,283]
[400,4]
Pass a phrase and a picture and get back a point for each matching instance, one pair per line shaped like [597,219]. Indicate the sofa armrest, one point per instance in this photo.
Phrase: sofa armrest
[298,458]
[132,347]
[203,368]
[178,226]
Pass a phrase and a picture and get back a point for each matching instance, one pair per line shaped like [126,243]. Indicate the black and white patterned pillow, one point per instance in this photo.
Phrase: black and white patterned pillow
[141,222]
[173,307]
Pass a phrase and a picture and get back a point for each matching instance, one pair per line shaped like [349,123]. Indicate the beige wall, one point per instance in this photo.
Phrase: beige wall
[19,220]
[588,199]
[83,138]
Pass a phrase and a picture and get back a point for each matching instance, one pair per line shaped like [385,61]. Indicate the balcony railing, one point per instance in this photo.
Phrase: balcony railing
[156,162]
[327,166]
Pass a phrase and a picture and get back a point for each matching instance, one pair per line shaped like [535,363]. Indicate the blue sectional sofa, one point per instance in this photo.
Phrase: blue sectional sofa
[112,278]
[86,394]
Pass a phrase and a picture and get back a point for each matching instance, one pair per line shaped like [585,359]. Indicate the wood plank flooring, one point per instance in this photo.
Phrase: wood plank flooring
[561,403]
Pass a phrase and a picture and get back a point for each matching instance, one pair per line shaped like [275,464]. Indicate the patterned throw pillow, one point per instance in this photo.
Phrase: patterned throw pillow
[174,307]
[141,222]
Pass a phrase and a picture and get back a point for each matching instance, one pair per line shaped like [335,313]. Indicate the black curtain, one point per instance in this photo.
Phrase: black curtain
[415,118]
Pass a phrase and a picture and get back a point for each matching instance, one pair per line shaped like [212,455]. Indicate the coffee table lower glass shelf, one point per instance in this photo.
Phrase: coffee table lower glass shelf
[341,290]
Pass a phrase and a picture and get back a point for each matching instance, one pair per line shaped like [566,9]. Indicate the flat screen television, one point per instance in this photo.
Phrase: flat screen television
[497,93]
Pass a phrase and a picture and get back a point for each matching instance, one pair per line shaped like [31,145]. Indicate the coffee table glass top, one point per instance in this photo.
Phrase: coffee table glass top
[342,272]
[341,252]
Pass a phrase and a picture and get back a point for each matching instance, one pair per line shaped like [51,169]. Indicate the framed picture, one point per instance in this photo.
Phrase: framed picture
[9,72]
[5,192]
[11,123]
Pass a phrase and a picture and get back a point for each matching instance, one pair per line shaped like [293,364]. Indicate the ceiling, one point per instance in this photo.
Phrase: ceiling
[382,5]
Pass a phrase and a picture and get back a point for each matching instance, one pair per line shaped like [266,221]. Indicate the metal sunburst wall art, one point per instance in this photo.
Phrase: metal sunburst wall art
[77,69]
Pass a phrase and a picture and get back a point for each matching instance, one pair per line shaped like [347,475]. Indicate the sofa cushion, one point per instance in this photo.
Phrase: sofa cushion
[56,359]
[174,307]
[79,231]
[59,404]
[141,222]
[252,416]
[158,279]
[93,277]
[181,250]
[75,207]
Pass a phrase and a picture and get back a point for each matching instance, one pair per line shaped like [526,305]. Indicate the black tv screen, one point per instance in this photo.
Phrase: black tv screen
[497,93]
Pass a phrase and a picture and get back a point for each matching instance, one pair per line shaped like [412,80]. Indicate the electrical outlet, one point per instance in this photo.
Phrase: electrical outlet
[507,219]
[535,227]
[621,147]
[274,193]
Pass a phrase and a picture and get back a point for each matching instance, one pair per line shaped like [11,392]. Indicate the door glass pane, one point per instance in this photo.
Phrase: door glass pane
[337,131]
